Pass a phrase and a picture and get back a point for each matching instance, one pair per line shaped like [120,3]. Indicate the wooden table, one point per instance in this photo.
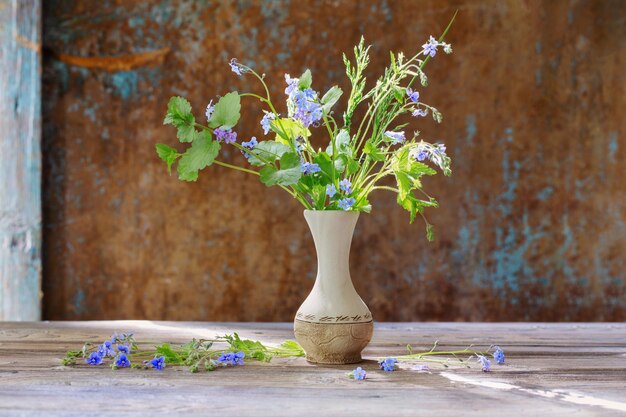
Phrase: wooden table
[551,370]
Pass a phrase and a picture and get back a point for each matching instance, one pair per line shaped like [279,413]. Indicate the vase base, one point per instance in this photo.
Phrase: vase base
[333,343]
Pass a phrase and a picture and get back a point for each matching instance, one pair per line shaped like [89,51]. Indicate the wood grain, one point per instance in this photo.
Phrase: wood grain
[20,160]
[531,225]
[551,370]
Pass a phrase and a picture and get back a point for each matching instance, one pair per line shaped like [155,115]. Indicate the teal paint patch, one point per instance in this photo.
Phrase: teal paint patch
[613,146]
[79,301]
[538,76]
[538,47]
[470,128]
[125,83]
[545,194]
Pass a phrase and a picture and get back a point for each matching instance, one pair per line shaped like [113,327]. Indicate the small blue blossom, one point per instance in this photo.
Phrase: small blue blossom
[94,359]
[388,364]
[498,356]
[231,358]
[292,84]
[228,136]
[421,155]
[238,359]
[122,361]
[331,190]
[414,96]
[358,374]
[309,168]
[249,145]
[430,47]
[123,349]
[346,203]
[345,185]
[106,349]
[210,108]
[302,104]
[265,121]
[419,113]
[485,363]
[235,67]
[396,137]
[158,363]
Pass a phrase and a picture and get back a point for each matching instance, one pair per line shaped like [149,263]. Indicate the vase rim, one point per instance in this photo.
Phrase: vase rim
[332,211]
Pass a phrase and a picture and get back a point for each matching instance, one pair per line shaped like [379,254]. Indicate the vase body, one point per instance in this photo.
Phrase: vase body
[333,325]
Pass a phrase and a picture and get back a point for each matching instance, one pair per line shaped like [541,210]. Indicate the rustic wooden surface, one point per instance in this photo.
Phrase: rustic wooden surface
[20,159]
[551,370]
[531,224]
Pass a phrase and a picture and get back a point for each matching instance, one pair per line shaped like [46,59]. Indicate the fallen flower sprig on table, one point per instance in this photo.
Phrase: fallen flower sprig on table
[123,352]
[443,358]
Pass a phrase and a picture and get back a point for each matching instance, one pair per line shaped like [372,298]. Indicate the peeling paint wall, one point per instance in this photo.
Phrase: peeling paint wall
[532,225]
[20,160]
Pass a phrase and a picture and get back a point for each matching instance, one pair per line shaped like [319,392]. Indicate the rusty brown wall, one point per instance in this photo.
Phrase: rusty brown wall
[532,224]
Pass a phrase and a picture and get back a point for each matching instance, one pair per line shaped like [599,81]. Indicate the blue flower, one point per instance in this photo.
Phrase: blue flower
[388,364]
[346,203]
[123,349]
[228,136]
[265,121]
[419,113]
[231,358]
[106,349]
[430,47]
[331,190]
[486,363]
[302,104]
[345,185]
[292,84]
[421,155]
[249,145]
[309,168]
[498,356]
[158,363]
[414,96]
[396,137]
[122,361]
[236,67]
[94,359]
[210,108]
[359,374]
[238,359]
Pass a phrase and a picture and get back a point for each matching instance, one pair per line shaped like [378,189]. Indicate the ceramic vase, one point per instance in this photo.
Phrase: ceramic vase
[333,325]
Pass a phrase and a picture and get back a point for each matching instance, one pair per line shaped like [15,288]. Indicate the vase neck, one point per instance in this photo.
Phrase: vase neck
[332,233]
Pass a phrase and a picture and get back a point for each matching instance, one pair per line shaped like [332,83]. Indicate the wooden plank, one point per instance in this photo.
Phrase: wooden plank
[20,160]
[551,369]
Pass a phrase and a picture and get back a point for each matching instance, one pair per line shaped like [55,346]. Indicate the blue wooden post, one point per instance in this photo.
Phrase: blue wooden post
[20,159]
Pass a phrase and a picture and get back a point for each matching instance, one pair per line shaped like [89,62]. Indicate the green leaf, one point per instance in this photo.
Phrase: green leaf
[342,144]
[288,130]
[267,152]
[227,111]
[323,160]
[318,195]
[288,174]
[373,151]
[171,357]
[178,112]
[167,154]
[179,115]
[330,98]
[199,155]
[306,80]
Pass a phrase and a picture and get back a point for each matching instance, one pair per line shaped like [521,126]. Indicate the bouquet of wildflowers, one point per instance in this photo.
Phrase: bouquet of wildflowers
[357,156]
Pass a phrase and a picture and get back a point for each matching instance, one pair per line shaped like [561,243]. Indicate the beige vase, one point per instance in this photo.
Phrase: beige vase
[333,325]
